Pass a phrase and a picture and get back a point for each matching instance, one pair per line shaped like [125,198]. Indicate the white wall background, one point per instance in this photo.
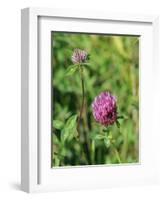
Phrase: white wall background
[10,97]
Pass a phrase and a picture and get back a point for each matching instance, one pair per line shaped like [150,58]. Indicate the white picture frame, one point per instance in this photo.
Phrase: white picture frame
[36,172]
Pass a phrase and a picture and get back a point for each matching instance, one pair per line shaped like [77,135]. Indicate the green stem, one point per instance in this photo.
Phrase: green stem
[85,145]
[116,153]
[83,94]
[115,149]
[93,151]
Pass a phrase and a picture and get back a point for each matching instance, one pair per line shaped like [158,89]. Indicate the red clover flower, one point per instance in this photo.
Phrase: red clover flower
[79,56]
[105,109]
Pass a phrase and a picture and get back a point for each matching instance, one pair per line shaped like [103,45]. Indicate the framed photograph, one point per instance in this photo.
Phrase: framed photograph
[89,100]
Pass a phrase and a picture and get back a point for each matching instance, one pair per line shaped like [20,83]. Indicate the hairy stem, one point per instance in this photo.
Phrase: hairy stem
[83,94]
[85,145]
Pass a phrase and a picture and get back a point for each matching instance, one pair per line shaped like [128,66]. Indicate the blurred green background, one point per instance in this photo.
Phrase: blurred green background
[114,67]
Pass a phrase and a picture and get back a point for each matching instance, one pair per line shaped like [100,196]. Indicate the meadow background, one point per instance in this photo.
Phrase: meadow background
[114,67]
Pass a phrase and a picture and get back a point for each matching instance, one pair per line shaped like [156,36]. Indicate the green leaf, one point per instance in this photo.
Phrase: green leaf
[64,135]
[118,124]
[110,137]
[120,117]
[86,64]
[55,139]
[71,70]
[69,131]
[72,133]
[68,134]
[99,137]
[107,142]
[71,122]
[57,124]
[88,57]
[106,130]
